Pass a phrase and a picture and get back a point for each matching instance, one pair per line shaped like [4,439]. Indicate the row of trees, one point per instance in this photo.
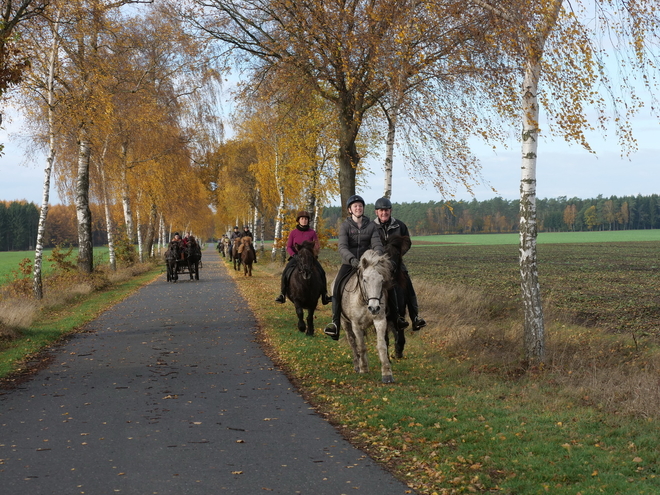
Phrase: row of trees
[499,215]
[125,100]
[18,225]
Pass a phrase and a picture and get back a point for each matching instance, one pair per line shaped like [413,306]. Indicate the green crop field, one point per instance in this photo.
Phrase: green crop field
[605,279]
[9,261]
[543,237]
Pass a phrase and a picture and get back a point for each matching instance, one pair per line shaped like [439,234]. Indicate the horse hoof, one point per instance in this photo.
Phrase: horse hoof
[388,379]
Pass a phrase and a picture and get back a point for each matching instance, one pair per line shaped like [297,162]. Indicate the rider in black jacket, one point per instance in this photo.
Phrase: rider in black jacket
[388,226]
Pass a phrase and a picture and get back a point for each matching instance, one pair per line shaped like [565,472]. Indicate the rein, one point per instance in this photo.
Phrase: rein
[362,292]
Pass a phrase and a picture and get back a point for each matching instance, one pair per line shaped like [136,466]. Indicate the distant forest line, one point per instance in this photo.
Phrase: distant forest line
[499,215]
[19,219]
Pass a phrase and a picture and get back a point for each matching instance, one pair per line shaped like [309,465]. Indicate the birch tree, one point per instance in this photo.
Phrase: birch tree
[49,95]
[551,43]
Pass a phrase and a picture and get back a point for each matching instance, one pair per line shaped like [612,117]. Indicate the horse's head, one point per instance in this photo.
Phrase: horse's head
[374,273]
[305,259]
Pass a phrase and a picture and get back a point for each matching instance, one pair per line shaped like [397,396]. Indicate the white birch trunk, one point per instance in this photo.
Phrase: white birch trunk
[50,160]
[100,167]
[83,211]
[389,153]
[278,243]
[534,338]
[139,236]
[126,204]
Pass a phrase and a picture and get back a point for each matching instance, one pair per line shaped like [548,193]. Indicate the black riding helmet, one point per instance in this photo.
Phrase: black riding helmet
[355,199]
[383,204]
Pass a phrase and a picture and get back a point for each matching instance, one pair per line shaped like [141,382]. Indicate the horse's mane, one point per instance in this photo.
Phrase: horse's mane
[306,246]
[395,247]
[380,262]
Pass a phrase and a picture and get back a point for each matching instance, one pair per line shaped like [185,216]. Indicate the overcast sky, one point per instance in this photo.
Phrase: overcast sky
[562,171]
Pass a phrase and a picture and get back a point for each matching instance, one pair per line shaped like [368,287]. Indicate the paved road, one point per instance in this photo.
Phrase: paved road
[168,393]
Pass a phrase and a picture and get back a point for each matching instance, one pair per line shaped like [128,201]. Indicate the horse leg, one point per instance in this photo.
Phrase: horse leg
[399,338]
[310,322]
[301,318]
[348,329]
[197,270]
[385,366]
[400,341]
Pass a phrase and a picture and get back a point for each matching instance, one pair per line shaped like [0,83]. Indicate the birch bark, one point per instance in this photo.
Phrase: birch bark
[50,160]
[534,338]
[83,211]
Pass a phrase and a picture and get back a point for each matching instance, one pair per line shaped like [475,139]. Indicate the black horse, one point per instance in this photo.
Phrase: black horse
[396,245]
[305,286]
[171,257]
[192,257]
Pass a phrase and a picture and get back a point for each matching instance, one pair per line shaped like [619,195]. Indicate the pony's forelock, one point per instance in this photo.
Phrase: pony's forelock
[380,262]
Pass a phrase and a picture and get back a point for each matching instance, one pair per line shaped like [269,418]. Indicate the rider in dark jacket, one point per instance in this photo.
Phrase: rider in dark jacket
[387,227]
[357,234]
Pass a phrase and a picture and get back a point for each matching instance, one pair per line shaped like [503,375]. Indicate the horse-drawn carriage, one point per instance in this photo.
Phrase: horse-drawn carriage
[182,259]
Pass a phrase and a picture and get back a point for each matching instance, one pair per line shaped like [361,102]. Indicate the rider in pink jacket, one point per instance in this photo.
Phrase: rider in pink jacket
[303,232]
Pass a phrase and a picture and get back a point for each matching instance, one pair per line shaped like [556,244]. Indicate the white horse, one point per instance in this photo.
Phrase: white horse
[364,303]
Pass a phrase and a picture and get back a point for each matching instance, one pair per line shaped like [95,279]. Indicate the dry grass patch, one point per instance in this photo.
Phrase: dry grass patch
[16,315]
[613,372]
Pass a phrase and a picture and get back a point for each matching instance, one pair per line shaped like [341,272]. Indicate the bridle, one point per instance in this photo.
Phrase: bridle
[365,298]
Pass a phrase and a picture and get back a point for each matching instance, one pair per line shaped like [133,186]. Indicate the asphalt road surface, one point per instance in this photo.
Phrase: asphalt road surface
[169,393]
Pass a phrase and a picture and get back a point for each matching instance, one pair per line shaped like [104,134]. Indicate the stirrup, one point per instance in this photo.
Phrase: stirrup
[332,331]
[326,299]
[402,323]
[418,323]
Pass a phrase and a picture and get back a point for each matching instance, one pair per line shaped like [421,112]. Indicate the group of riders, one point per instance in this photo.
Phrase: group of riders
[357,234]
[226,243]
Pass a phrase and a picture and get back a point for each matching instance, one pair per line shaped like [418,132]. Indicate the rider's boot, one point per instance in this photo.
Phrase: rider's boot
[280,299]
[326,299]
[418,322]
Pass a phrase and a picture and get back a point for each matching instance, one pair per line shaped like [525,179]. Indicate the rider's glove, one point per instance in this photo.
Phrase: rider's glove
[355,262]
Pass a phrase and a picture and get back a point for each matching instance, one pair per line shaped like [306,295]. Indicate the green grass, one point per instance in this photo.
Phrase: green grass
[544,237]
[445,427]
[9,261]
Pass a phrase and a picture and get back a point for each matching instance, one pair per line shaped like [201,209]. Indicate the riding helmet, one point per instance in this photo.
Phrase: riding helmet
[303,213]
[355,199]
[383,204]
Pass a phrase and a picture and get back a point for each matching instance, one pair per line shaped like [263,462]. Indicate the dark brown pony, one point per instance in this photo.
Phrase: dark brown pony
[235,256]
[395,246]
[171,257]
[247,255]
[193,256]
[305,286]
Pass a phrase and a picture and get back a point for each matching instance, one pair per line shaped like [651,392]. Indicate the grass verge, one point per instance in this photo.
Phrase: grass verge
[463,416]
[21,350]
